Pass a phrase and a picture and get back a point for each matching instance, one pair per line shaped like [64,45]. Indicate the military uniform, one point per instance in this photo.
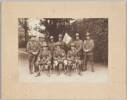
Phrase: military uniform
[51,45]
[78,45]
[52,48]
[88,47]
[59,57]
[32,49]
[44,59]
[74,59]
[71,61]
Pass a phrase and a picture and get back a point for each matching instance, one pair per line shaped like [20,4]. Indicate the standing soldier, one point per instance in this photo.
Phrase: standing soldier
[79,46]
[32,49]
[59,57]
[52,47]
[44,59]
[88,47]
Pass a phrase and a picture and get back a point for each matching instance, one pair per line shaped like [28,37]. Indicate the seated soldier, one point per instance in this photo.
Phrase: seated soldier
[73,60]
[44,59]
[59,57]
[71,55]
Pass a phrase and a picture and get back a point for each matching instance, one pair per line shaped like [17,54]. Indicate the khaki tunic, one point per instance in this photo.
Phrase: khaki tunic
[44,57]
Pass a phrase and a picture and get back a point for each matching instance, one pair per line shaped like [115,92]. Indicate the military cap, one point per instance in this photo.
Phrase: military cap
[51,37]
[77,34]
[44,44]
[87,34]
[60,35]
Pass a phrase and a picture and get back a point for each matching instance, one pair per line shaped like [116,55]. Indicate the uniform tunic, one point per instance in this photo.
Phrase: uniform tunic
[59,56]
[79,46]
[88,47]
[44,57]
[62,44]
[71,56]
[32,49]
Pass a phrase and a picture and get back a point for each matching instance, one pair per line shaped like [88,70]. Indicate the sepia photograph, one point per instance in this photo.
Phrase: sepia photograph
[63,49]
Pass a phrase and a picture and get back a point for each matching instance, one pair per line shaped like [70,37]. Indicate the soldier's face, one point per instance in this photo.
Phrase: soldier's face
[77,37]
[87,37]
[60,38]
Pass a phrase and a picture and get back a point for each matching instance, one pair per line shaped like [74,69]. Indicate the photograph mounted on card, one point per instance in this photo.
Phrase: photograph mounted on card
[51,50]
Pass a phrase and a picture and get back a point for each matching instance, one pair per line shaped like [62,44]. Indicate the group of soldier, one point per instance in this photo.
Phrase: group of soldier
[58,56]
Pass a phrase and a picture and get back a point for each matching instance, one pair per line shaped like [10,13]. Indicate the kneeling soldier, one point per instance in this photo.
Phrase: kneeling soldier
[59,57]
[44,59]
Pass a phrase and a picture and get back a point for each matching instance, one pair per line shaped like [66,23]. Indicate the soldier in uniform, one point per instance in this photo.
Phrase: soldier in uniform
[52,47]
[32,49]
[44,59]
[78,44]
[73,60]
[88,47]
[79,47]
[59,57]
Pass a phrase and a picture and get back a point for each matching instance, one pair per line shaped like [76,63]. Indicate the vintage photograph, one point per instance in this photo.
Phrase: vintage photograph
[63,49]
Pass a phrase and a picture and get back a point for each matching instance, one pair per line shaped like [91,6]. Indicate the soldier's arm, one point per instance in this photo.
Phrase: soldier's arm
[84,46]
[92,45]
[54,55]
[80,46]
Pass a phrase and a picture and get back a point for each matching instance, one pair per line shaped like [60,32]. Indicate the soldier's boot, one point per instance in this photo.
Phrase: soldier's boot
[38,74]
[58,70]
[85,67]
[49,70]
[79,69]
[92,68]
[36,68]
[65,69]
[30,69]
[70,69]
